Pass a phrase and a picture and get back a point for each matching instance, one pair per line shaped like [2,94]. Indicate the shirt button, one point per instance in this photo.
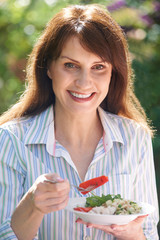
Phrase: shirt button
[87,238]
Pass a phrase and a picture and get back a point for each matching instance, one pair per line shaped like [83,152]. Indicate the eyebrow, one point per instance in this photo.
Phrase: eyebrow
[78,62]
[70,59]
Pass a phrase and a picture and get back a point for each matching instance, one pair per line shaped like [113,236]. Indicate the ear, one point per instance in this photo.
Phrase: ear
[50,67]
[49,74]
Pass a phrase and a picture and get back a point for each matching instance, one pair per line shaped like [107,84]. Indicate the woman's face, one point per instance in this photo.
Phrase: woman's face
[80,79]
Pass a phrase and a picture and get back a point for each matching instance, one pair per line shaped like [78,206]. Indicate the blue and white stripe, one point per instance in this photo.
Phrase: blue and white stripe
[29,149]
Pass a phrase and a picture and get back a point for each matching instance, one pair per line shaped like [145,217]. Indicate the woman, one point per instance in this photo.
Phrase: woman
[77,119]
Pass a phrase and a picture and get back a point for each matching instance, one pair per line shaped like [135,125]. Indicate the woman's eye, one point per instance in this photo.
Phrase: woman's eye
[70,65]
[98,67]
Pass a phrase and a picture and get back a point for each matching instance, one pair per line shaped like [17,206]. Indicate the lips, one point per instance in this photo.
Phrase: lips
[77,95]
[81,97]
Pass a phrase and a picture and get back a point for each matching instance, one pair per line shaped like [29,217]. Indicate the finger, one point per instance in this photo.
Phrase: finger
[119,227]
[41,197]
[43,186]
[53,177]
[53,204]
[59,206]
[51,201]
[140,219]
[105,228]
[79,220]
[57,187]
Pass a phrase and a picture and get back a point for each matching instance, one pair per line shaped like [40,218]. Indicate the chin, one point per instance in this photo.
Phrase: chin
[83,110]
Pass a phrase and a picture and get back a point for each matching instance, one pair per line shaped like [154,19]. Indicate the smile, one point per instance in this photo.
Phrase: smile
[77,95]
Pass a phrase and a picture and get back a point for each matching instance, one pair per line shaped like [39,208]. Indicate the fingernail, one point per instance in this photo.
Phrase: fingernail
[89,226]
[114,228]
[59,179]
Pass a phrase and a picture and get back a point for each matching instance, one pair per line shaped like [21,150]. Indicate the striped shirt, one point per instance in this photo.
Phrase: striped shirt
[28,148]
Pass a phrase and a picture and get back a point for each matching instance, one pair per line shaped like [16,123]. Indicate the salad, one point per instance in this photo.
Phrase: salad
[109,204]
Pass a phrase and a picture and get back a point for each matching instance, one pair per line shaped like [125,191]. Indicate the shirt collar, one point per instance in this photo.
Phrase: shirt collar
[39,127]
[41,130]
[111,128]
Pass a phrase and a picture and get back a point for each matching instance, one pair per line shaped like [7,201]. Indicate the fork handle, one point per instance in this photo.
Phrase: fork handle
[72,185]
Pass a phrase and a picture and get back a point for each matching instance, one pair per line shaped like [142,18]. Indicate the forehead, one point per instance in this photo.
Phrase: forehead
[73,47]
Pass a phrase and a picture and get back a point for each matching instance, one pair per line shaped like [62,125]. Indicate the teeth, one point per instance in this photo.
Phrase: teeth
[81,95]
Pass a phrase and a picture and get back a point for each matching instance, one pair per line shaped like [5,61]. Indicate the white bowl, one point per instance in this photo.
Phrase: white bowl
[103,219]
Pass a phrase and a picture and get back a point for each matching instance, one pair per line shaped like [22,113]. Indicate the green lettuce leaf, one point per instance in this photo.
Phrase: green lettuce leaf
[96,201]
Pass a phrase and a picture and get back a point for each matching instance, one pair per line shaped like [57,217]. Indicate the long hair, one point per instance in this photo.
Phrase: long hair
[98,33]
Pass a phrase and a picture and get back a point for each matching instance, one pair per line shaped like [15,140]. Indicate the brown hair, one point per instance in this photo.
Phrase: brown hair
[98,33]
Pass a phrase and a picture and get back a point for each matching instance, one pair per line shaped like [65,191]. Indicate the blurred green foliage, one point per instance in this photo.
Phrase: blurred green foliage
[22,21]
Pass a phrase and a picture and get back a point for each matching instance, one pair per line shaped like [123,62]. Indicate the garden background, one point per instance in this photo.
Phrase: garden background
[22,21]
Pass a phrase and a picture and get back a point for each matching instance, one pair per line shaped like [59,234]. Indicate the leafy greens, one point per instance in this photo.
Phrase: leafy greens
[96,201]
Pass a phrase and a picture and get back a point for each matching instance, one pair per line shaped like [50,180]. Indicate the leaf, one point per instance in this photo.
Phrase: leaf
[96,201]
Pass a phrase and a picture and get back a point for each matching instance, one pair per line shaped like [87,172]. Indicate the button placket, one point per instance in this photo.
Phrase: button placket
[86,238]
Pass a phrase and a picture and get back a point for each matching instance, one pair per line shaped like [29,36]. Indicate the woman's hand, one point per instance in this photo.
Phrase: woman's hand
[42,198]
[130,231]
[48,197]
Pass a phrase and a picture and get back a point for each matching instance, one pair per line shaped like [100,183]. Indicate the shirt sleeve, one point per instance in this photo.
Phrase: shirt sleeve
[144,184]
[6,232]
[11,184]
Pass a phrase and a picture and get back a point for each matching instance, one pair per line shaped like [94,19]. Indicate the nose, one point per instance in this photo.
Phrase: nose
[84,80]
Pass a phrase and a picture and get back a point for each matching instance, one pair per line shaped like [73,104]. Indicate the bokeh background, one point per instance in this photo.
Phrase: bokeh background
[22,21]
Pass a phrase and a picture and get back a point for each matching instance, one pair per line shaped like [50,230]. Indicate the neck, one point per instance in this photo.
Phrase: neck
[77,130]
